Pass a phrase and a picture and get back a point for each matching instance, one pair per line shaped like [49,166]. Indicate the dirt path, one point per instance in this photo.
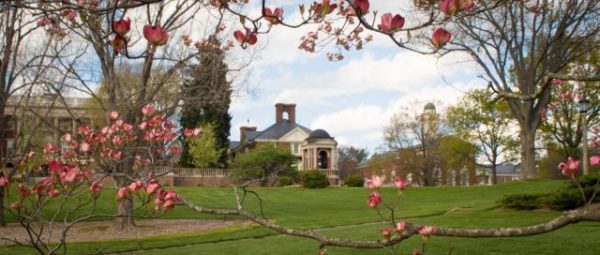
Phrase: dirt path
[102,230]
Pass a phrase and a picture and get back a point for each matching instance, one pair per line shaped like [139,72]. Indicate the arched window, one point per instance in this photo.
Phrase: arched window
[285,115]
[323,160]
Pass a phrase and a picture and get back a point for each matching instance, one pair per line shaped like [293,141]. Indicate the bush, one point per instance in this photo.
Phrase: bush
[313,179]
[355,181]
[284,181]
[521,201]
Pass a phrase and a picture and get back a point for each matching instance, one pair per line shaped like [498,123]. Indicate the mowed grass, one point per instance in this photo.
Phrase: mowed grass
[342,212]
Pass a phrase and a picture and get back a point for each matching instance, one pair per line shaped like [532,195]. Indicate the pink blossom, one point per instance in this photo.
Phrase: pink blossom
[67,137]
[95,187]
[426,230]
[452,7]
[168,205]
[273,16]
[400,183]
[143,125]
[70,175]
[175,149]
[595,160]
[440,37]
[3,181]
[391,23]
[117,140]
[122,193]
[196,131]
[362,5]
[122,26]
[248,37]
[113,115]
[386,232]
[135,186]
[171,195]
[151,188]
[156,35]
[569,168]
[116,155]
[148,109]
[324,8]
[84,147]
[401,226]
[23,191]
[53,193]
[50,148]
[43,22]
[374,199]
[375,182]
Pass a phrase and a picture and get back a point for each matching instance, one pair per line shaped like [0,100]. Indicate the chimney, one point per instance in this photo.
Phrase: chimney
[290,109]
[243,130]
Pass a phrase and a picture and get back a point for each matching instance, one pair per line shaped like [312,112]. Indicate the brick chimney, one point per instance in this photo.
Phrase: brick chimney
[290,109]
[243,130]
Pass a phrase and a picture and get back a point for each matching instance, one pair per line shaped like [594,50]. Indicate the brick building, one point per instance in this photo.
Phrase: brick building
[314,149]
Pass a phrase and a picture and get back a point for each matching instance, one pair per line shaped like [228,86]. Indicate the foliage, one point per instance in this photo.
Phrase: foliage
[521,201]
[261,163]
[354,181]
[284,181]
[314,179]
[347,153]
[203,150]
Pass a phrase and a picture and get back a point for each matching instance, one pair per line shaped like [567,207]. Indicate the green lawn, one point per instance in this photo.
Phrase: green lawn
[342,212]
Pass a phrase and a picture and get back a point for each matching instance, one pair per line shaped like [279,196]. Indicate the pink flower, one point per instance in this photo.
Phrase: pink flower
[148,109]
[23,191]
[196,131]
[426,230]
[53,193]
[69,14]
[43,22]
[116,155]
[401,226]
[248,37]
[16,205]
[50,148]
[324,8]
[122,26]
[595,160]
[151,188]
[391,23]
[67,137]
[3,181]
[452,7]
[375,182]
[273,16]
[156,35]
[171,195]
[374,199]
[362,5]
[70,175]
[84,147]
[570,168]
[118,44]
[143,125]
[117,140]
[168,205]
[175,149]
[440,37]
[386,232]
[95,187]
[113,115]
[135,186]
[400,183]
[122,193]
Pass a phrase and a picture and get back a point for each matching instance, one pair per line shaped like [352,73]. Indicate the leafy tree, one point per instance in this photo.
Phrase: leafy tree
[208,99]
[486,124]
[262,164]
[347,153]
[203,150]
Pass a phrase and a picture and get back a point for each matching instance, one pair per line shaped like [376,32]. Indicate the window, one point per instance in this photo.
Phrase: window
[295,148]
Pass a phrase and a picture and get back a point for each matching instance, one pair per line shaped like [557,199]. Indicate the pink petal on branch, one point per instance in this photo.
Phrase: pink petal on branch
[374,199]
[67,137]
[84,147]
[3,181]
[156,35]
[391,23]
[168,205]
[440,37]
[152,188]
[16,205]
[135,186]
[401,226]
[122,193]
[595,160]
[386,232]
[95,187]
[122,26]
[149,109]
[400,183]
[113,115]
[53,193]
[50,148]
[362,5]
[426,230]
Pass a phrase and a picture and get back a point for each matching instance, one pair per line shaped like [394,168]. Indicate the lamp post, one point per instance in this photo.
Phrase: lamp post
[584,107]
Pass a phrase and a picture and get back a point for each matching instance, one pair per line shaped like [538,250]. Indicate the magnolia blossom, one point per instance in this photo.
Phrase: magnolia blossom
[3,181]
[95,187]
[391,23]
[569,168]
[23,191]
[440,37]
[168,205]
[135,186]
[53,193]
[122,26]
[595,160]
[151,188]
[171,195]
[400,183]
[66,137]
[113,115]
[248,37]
[374,199]
[426,230]
[156,35]
[362,5]
[452,7]
[84,147]
[323,8]
[273,16]
[118,44]
[386,232]
[401,226]
[122,193]
[375,182]
[148,109]
[50,148]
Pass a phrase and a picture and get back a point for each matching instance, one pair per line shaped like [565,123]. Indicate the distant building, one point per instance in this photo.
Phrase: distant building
[314,149]
[504,173]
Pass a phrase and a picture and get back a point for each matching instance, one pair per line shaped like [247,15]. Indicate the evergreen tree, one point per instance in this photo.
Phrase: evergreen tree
[207,100]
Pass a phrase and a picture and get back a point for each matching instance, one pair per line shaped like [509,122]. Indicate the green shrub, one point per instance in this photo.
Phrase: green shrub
[284,181]
[313,179]
[355,181]
[521,201]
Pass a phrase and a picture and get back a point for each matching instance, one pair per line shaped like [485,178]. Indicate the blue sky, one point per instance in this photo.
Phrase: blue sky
[353,99]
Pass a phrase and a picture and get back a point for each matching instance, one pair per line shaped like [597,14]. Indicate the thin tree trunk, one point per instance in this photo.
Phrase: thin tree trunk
[124,219]
[494,174]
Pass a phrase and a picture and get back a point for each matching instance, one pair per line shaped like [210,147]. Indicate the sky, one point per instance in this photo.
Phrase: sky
[352,99]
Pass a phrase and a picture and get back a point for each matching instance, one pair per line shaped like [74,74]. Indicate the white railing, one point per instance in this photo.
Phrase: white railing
[193,172]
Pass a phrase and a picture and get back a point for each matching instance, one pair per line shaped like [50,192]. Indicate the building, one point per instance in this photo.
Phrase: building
[314,149]
[504,173]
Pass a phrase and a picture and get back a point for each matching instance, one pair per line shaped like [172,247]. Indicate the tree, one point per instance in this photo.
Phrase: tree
[262,164]
[208,99]
[349,157]
[486,124]
[203,150]
[420,133]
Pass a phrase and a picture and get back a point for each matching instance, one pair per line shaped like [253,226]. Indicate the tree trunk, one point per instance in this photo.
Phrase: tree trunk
[494,174]
[2,223]
[528,168]
[124,219]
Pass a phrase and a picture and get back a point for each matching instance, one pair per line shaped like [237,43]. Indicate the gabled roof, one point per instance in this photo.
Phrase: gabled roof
[278,130]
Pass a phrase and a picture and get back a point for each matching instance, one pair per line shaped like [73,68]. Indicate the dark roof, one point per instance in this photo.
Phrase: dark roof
[249,134]
[319,133]
[505,169]
[233,145]
[430,106]
[278,130]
